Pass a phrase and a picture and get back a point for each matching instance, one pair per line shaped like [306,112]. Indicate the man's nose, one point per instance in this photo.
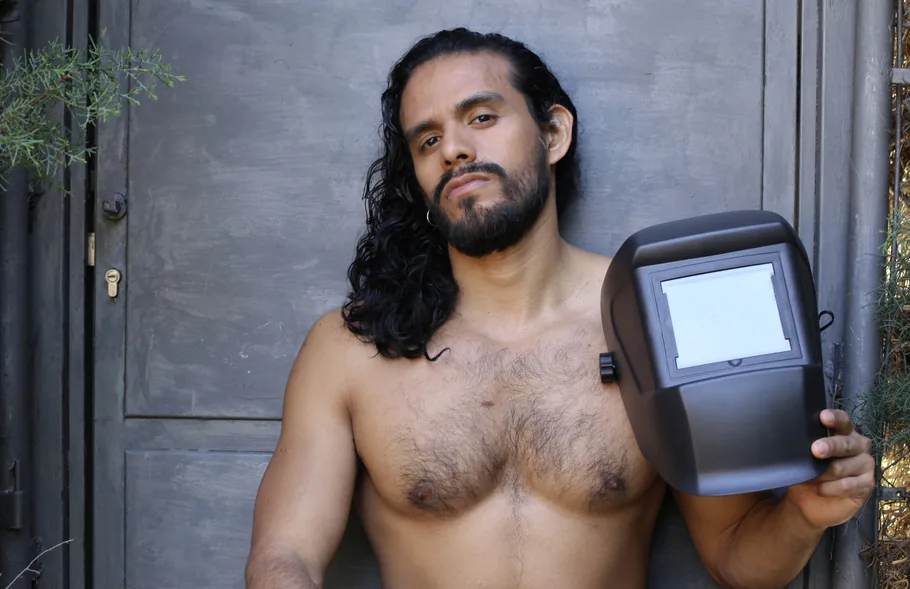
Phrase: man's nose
[456,150]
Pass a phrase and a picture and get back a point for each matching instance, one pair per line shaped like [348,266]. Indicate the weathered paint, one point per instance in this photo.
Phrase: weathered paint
[243,188]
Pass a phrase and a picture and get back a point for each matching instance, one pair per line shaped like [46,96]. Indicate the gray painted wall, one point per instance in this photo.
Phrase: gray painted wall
[244,189]
[244,204]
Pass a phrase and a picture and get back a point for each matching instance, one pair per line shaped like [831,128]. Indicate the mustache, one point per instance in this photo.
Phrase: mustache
[475,168]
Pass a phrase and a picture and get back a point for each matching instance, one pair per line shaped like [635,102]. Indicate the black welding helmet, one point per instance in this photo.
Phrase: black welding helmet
[714,342]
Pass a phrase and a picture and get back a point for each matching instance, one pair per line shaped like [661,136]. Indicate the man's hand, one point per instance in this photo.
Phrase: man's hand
[756,540]
[836,496]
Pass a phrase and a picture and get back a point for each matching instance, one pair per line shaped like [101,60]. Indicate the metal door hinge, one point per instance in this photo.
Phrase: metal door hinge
[90,250]
[893,494]
[12,502]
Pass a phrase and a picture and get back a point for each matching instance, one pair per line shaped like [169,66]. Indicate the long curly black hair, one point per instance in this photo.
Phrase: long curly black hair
[402,286]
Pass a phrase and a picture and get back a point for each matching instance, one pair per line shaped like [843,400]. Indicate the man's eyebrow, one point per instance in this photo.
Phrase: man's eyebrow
[478,99]
[465,105]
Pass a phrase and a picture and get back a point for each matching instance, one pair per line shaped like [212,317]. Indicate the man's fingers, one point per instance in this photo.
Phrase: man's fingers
[843,468]
[857,486]
[841,446]
[838,420]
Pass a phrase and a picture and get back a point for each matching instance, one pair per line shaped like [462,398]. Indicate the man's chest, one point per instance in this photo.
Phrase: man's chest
[441,436]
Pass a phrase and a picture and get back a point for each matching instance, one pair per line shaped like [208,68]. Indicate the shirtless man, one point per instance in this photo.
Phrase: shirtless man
[456,397]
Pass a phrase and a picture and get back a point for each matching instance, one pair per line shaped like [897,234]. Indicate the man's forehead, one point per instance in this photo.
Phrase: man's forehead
[443,82]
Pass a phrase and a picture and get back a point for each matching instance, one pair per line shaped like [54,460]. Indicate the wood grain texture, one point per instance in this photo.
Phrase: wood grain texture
[188,517]
[809,111]
[828,201]
[47,292]
[79,351]
[780,107]
[834,161]
[220,435]
[107,501]
[57,341]
[188,521]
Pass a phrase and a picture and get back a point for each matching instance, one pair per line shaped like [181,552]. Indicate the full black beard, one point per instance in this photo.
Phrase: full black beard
[484,230]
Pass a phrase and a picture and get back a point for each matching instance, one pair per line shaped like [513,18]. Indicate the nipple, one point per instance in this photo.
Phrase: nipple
[422,493]
[613,483]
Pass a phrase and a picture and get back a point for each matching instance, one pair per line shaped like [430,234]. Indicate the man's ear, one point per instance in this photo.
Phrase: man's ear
[559,133]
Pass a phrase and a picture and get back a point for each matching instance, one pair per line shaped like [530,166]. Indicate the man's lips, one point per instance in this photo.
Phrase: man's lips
[463,185]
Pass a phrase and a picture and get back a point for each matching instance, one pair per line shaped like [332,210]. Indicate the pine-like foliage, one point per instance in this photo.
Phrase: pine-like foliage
[92,86]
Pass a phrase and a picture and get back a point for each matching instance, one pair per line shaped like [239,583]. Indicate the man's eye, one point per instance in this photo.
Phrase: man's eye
[428,142]
[484,118]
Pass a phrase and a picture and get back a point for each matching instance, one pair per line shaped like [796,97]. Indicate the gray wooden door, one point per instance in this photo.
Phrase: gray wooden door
[243,188]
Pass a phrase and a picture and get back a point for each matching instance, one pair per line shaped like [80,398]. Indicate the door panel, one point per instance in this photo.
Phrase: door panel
[188,509]
[244,187]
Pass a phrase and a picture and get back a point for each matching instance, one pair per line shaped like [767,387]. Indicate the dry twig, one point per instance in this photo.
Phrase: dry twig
[29,568]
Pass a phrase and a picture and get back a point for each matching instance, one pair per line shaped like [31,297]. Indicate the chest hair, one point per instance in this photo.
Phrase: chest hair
[538,417]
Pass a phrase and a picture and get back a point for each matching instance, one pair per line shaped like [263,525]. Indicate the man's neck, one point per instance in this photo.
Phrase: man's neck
[514,290]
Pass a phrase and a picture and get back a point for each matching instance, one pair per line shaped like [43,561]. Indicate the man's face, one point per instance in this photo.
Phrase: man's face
[479,155]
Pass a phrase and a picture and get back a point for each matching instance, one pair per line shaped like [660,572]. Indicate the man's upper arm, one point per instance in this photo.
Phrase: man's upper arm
[305,494]
[711,521]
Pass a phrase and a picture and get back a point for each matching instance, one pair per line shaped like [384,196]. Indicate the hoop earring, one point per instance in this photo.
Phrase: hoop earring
[430,223]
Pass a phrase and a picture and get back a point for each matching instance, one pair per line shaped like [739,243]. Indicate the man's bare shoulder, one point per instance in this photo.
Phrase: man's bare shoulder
[331,348]
[331,332]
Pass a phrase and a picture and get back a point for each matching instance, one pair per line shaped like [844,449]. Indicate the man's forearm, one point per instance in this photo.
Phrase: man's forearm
[277,571]
[774,534]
